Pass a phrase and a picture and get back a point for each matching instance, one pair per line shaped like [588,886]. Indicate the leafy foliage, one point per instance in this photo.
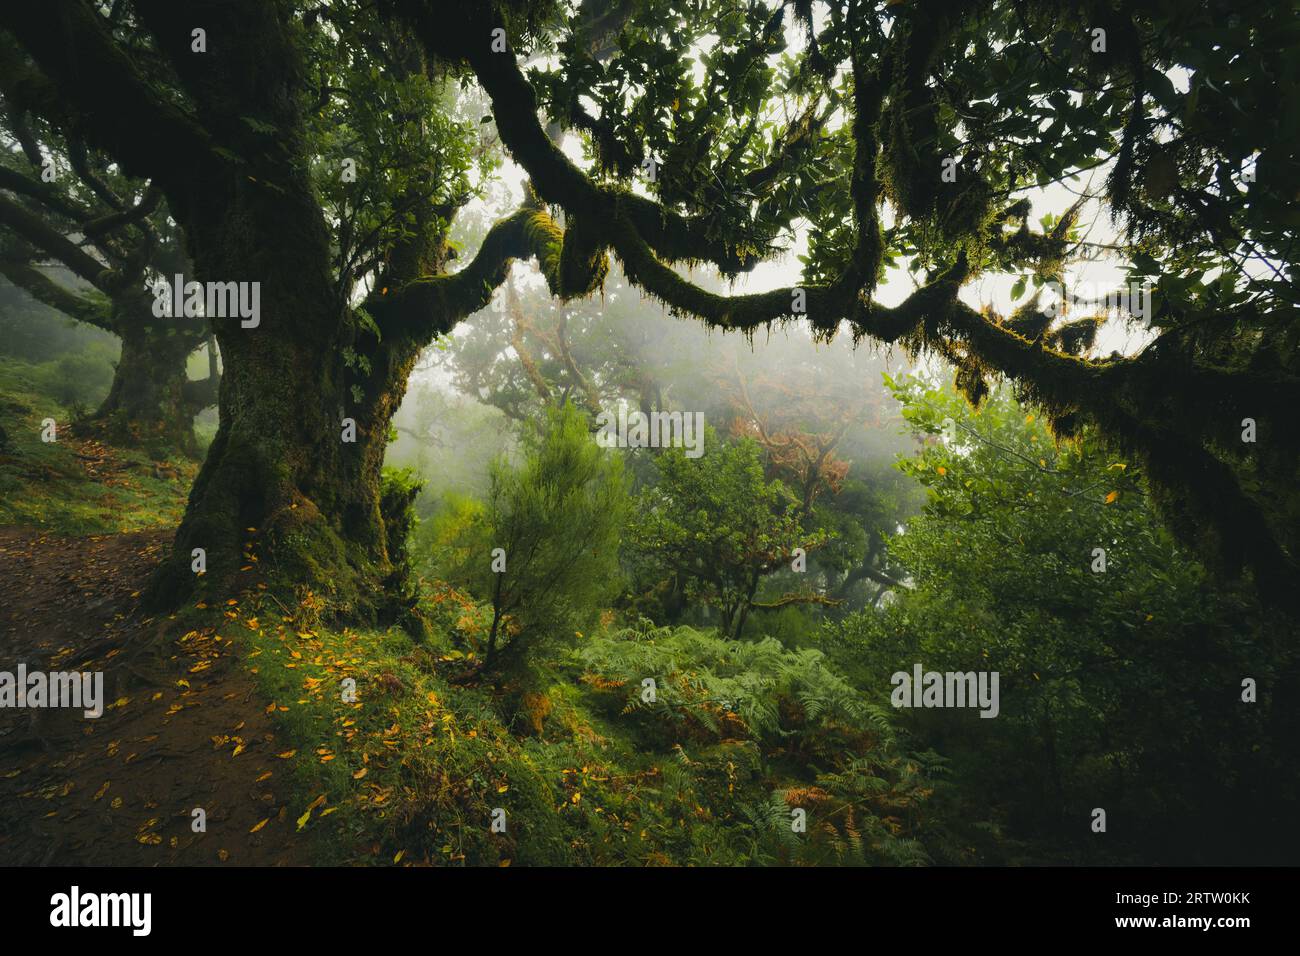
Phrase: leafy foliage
[1120,688]
[719,524]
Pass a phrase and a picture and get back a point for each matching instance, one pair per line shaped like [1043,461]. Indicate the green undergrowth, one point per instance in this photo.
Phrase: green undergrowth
[746,754]
[77,485]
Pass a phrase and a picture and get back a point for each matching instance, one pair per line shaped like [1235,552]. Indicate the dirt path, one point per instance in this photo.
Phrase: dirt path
[183,727]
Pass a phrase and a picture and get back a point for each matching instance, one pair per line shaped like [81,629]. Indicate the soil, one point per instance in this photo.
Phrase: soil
[183,726]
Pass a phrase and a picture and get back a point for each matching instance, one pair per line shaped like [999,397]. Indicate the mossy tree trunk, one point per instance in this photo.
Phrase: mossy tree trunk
[151,400]
[305,403]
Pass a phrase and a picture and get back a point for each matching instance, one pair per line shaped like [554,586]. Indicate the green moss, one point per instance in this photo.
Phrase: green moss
[78,485]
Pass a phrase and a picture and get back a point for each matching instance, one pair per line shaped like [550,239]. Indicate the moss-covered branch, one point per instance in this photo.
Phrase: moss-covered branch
[48,194]
[117,108]
[49,240]
[464,36]
[433,304]
[91,309]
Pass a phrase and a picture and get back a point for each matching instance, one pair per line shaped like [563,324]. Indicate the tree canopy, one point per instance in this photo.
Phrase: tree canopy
[896,136]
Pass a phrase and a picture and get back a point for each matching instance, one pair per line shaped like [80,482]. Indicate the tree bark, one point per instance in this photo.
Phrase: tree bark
[149,402]
[742,612]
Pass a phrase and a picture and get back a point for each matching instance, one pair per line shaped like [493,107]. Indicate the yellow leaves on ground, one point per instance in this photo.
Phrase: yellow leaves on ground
[302,820]
[258,826]
[145,835]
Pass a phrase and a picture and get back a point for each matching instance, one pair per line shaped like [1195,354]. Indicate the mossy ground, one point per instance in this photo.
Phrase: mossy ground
[76,484]
[413,770]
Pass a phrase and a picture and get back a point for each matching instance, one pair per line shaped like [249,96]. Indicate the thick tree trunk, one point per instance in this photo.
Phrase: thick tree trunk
[250,213]
[148,403]
[281,476]
[293,476]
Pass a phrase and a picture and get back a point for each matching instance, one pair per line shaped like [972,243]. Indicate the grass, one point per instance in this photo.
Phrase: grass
[75,485]
[412,768]
[415,769]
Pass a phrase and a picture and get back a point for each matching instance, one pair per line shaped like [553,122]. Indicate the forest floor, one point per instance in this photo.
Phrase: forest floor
[183,726]
[226,706]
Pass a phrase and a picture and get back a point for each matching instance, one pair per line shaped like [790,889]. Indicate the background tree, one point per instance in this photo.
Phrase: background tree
[63,203]
[821,416]
[723,528]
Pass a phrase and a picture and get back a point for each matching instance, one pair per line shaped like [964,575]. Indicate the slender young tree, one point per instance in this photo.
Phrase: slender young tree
[546,548]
